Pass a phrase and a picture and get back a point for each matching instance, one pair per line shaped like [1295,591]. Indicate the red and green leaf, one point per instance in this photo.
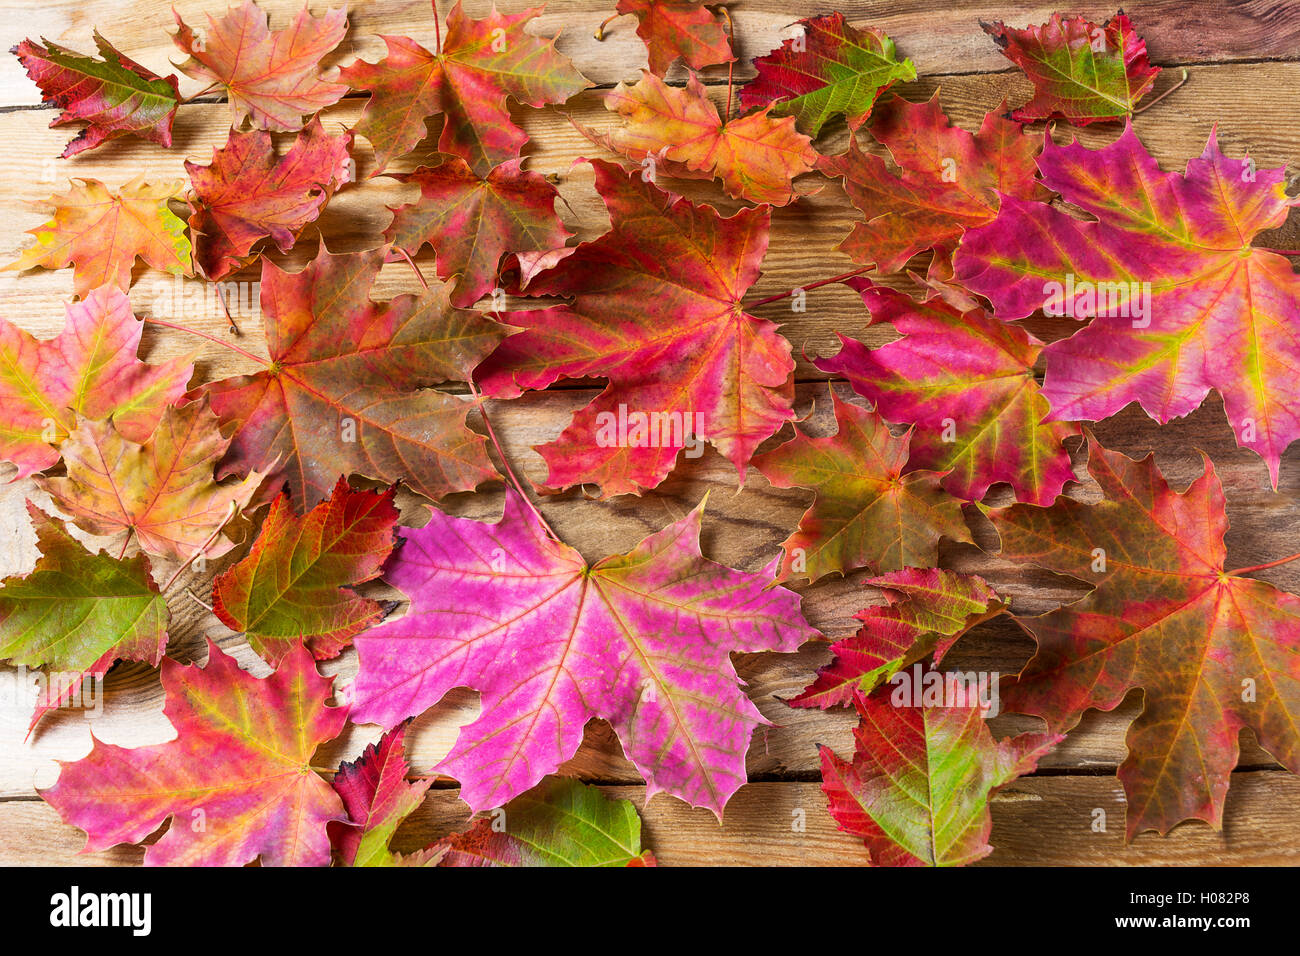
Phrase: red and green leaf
[114,96]
[867,513]
[1082,72]
[918,786]
[1165,616]
[295,584]
[558,823]
[831,69]
[965,381]
[78,612]
[237,783]
[925,611]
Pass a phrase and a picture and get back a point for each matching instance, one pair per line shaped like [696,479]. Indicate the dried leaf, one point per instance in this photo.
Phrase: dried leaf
[100,233]
[692,363]
[867,513]
[642,639]
[756,156]
[273,78]
[294,586]
[114,96]
[162,491]
[349,388]
[483,63]
[473,221]
[247,194]
[237,783]
[88,369]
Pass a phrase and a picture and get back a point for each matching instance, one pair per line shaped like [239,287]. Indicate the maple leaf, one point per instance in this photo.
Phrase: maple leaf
[1082,72]
[966,381]
[926,611]
[558,823]
[114,96]
[918,787]
[90,369]
[349,384]
[1182,301]
[948,180]
[293,585]
[483,63]
[241,764]
[101,232]
[471,221]
[867,513]
[247,193]
[831,69]
[378,797]
[642,640]
[1164,616]
[656,310]
[273,78]
[755,156]
[77,612]
[678,29]
[160,491]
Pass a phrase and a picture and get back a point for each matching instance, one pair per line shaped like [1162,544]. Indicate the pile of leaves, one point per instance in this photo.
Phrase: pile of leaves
[289,476]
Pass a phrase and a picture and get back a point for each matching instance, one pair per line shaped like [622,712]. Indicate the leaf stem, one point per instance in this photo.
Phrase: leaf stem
[414,268]
[1146,106]
[812,285]
[1268,564]
[437,29]
[731,64]
[221,297]
[510,472]
[203,92]
[487,422]
[230,513]
[204,335]
[126,544]
[600,30]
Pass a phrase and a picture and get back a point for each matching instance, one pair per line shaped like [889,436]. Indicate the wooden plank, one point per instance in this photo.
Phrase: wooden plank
[803,240]
[740,530]
[1036,821]
[939,37]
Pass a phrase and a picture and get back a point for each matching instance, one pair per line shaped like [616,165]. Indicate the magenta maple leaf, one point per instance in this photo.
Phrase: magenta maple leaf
[1180,300]
[642,640]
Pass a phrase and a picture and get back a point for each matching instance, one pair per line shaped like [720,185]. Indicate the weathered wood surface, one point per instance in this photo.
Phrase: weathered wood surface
[1237,54]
